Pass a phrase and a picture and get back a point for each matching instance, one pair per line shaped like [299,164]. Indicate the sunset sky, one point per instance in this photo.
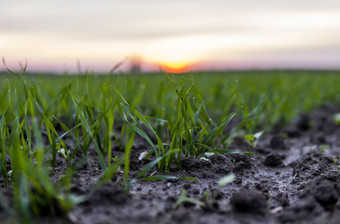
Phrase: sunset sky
[176,34]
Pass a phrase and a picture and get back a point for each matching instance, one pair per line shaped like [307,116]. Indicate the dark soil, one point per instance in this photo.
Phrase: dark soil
[292,178]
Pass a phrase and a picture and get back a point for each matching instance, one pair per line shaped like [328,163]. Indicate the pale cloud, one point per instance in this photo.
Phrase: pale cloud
[169,31]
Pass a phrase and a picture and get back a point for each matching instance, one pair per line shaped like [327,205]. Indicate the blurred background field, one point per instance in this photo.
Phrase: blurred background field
[277,96]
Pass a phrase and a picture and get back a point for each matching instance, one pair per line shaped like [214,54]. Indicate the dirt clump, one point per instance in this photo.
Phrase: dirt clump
[248,201]
[273,160]
[303,211]
[109,193]
[323,191]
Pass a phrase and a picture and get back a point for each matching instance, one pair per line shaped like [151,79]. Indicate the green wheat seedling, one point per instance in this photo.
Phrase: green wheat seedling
[33,191]
[209,198]
[47,118]
[187,133]
[184,198]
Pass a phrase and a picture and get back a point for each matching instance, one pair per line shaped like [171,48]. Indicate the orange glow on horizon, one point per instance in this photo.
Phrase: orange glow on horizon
[178,67]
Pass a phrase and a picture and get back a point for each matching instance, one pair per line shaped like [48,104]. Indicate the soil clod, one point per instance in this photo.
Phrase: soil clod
[323,191]
[303,211]
[248,201]
[273,160]
[109,193]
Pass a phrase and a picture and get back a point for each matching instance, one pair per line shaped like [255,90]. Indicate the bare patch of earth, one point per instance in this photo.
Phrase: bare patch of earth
[292,178]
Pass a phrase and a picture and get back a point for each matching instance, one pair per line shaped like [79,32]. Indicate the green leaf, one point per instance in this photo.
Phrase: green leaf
[183,198]
[148,167]
[158,178]
[253,139]
[226,180]
[248,153]
[192,179]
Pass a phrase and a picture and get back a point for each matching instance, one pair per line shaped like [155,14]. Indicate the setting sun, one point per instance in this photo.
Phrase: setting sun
[178,67]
